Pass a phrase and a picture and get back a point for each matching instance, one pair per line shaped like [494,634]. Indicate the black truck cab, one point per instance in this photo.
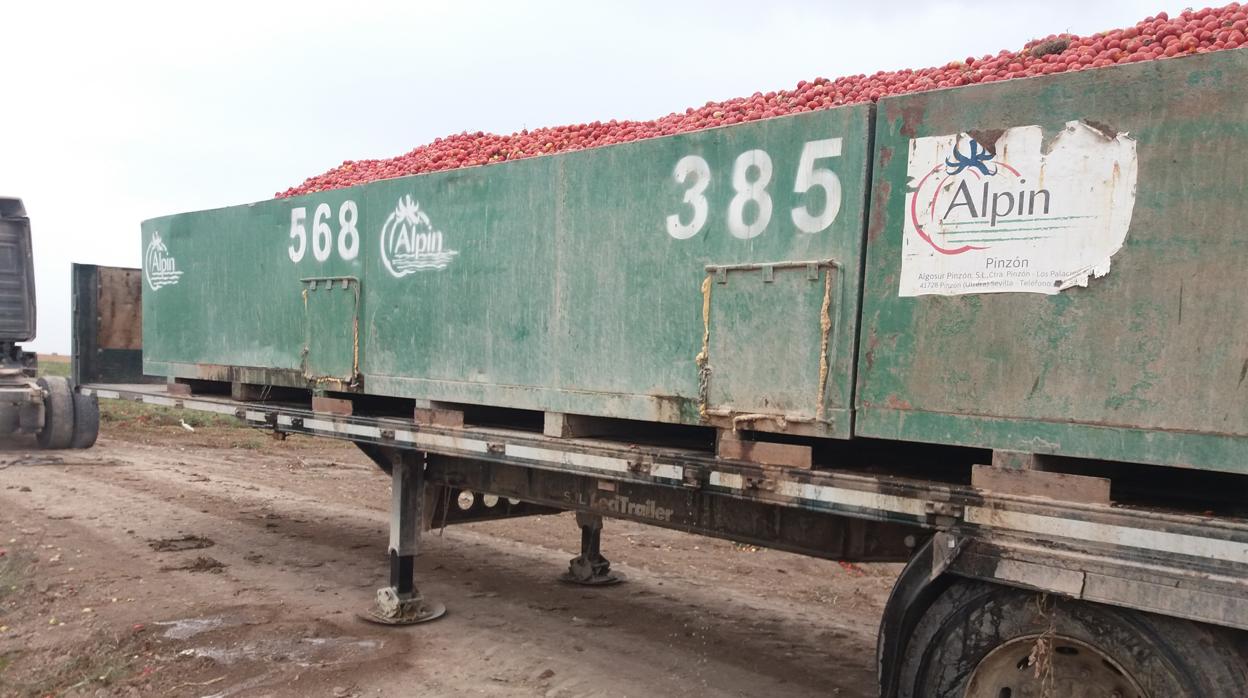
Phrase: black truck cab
[47,407]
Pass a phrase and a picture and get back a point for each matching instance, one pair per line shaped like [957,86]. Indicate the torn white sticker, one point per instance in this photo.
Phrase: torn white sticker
[1019,216]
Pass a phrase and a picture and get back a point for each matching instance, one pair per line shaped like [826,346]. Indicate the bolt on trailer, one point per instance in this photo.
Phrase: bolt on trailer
[996,332]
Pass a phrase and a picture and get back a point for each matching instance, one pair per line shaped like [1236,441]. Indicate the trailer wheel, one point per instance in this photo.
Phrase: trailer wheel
[86,421]
[984,640]
[58,413]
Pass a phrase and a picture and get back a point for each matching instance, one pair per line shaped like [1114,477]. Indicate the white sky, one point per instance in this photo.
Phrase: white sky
[117,112]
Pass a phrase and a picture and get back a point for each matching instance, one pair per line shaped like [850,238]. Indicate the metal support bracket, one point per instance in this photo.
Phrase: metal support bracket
[943,515]
[590,568]
[401,603]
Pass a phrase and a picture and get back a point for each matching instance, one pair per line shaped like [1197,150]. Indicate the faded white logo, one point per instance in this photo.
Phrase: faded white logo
[159,267]
[410,243]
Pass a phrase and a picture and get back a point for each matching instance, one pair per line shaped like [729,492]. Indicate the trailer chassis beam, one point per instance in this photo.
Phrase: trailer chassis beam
[1187,565]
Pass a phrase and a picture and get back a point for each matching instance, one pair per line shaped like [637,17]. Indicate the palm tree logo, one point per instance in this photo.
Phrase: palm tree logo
[410,243]
[160,269]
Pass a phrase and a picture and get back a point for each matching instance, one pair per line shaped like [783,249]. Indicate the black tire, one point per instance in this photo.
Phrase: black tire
[86,421]
[10,420]
[58,413]
[1165,657]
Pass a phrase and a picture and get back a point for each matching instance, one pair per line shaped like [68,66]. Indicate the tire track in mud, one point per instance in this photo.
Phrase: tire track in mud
[314,547]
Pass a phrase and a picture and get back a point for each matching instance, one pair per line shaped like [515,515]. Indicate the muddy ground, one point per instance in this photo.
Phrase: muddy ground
[220,562]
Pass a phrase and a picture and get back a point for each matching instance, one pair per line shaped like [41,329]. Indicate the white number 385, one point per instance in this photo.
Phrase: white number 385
[751,175]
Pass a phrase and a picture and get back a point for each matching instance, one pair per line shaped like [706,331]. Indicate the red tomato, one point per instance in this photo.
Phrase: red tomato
[1154,37]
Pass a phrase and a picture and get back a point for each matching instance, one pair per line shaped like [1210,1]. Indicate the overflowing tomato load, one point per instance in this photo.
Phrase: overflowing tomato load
[1198,31]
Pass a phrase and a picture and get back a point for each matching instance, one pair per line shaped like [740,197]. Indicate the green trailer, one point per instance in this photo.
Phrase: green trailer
[998,332]
[1107,319]
[726,277]
[588,283]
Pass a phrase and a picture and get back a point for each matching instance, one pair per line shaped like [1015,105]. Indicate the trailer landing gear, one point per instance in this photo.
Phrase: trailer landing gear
[590,568]
[401,603]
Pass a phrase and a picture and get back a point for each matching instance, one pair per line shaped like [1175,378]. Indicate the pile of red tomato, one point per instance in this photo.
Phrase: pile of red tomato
[1199,31]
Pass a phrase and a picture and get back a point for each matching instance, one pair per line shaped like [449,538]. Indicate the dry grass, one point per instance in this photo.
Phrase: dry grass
[14,569]
[102,659]
[151,423]
[128,414]
[54,365]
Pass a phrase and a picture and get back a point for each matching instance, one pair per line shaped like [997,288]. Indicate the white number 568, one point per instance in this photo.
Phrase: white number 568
[322,234]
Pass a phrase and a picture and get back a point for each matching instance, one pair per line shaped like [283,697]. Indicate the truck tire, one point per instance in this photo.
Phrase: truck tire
[86,421]
[983,640]
[58,413]
[10,421]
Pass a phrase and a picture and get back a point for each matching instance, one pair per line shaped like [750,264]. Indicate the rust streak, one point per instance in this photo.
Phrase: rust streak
[896,403]
[886,156]
[355,338]
[872,342]
[825,329]
[1180,302]
[703,357]
[879,208]
[911,116]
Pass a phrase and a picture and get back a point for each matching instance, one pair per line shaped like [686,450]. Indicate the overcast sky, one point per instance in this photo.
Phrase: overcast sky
[117,112]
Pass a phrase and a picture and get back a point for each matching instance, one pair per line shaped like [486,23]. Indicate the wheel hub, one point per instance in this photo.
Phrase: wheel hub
[1048,667]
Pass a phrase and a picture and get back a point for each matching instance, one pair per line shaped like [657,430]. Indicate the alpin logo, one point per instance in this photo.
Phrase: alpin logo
[159,267]
[1016,210]
[954,189]
[409,242]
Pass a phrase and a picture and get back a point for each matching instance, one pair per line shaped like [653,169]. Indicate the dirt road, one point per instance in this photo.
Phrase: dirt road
[222,563]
